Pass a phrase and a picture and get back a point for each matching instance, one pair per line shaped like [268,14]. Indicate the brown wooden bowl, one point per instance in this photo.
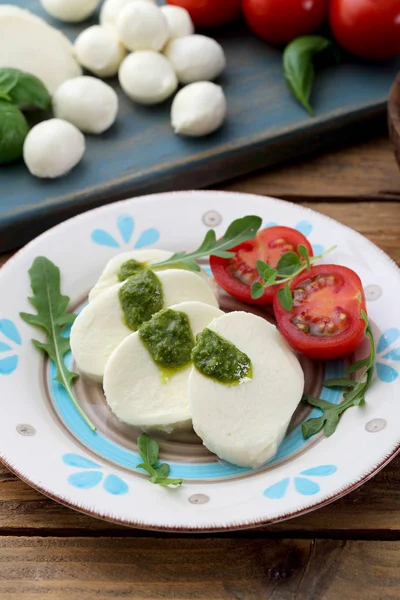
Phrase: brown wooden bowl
[394,117]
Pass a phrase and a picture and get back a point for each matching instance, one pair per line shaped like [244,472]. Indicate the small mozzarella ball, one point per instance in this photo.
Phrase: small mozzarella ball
[198,109]
[111,9]
[52,148]
[179,21]
[86,102]
[196,58]
[147,77]
[99,50]
[70,11]
[142,26]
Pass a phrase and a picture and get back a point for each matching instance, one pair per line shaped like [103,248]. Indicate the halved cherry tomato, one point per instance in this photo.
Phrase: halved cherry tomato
[367,28]
[280,21]
[236,275]
[325,321]
[210,13]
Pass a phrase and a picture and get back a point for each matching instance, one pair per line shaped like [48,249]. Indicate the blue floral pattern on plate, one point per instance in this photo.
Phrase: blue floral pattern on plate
[126,229]
[388,351]
[302,483]
[9,339]
[92,475]
[304,227]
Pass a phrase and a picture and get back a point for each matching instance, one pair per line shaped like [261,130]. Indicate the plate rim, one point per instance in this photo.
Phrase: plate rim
[245,524]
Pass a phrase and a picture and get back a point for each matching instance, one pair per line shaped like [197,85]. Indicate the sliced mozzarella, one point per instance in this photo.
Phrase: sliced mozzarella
[245,424]
[134,387]
[142,26]
[179,21]
[109,276]
[100,327]
[195,58]
[33,46]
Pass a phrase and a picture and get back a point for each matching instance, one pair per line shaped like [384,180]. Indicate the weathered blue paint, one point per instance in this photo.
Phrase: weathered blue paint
[141,154]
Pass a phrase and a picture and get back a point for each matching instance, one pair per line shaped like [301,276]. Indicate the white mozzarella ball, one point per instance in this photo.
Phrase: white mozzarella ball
[179,21]
[99,50]
[198,109]
[135,388]
[70,11]
[147,77]
[142,26]
[244,424]
[86,102]
[111,9]
[196,58]
[52,148]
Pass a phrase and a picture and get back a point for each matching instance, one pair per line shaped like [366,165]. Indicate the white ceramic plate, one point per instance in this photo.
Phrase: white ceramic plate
[45,442]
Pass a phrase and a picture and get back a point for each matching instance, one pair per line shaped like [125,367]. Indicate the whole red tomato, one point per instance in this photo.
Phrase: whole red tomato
[367,28]
[280,21]
[210,13]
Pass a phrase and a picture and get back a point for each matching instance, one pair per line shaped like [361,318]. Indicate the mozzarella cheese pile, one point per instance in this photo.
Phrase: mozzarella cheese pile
[152,378]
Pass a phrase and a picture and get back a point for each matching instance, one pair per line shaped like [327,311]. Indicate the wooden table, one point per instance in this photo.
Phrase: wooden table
[350,549]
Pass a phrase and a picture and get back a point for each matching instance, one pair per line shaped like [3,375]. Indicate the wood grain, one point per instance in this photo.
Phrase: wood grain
[189,569]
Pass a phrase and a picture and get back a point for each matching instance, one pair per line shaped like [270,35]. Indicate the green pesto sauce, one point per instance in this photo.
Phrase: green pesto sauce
[169,340]
[140,297]
[129,268]
[219,359]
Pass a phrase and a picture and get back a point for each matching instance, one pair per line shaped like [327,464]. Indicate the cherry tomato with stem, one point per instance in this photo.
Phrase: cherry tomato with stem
[368,28]
[280,21]
[237,274]
[324,323]
[210,13]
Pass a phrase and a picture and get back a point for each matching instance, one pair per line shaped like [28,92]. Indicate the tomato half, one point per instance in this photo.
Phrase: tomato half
[280,21]
[210,13]
[325,321]
[236,275]
[367,28]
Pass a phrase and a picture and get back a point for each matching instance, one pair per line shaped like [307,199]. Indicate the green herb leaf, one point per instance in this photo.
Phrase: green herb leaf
[285,297]
[355,397]
[298,68]
[25,90]
[257,290]
[239,231]
[51,317]
[13,131]
[288,264]
[302,250]
[149,451]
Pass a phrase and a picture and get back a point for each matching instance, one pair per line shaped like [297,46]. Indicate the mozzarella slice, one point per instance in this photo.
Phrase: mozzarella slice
[100,328]
[109,276]
[29,44]
[245,424]
[133,384]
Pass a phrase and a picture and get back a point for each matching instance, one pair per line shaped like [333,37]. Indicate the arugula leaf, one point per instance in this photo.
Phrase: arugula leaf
[51,317]
[355,397]
[239,231]
[13,131]
[24,90]
[149,451]
[289,266]
[298,68]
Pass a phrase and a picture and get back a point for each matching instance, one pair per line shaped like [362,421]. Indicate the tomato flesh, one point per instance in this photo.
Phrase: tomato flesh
[210,13]
[368,28]
[280,21]
[236,275]
[325,322]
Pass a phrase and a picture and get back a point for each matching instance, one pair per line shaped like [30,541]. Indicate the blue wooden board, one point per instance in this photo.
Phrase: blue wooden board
[141,154]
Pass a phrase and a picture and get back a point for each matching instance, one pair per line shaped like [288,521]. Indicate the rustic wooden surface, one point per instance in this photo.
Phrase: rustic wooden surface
[350,548]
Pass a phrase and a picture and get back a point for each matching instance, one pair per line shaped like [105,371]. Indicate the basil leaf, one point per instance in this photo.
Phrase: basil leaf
[288,264]
[285,298]
[149,449]
[28,92]
[13,131]
[8,79]
[298,68]
[257,290]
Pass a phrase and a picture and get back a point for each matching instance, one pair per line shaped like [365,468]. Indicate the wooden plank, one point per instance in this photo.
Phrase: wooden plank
[188,569]
[367,171]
